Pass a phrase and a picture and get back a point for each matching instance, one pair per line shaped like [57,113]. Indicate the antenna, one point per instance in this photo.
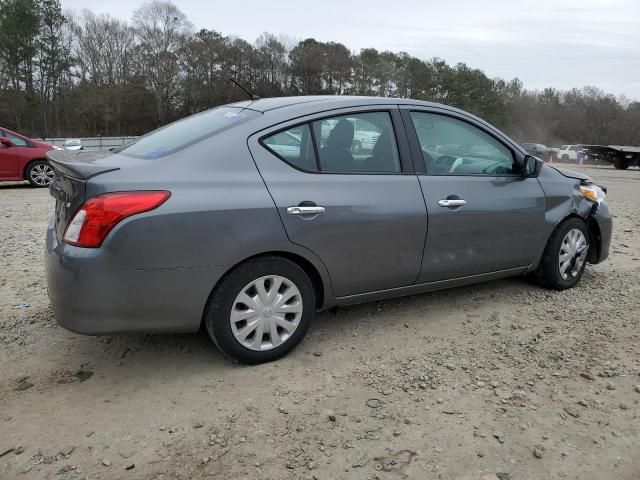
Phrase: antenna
[252,96]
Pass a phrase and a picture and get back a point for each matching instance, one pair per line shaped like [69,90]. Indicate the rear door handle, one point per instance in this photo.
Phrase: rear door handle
[305,210]
[450,203]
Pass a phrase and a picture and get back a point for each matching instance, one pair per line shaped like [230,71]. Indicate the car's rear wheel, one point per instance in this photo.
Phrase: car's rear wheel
[620,164]
[261,310]
[565,255]
[39,173]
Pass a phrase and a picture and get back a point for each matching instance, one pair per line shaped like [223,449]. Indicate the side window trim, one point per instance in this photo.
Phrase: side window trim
[416,149]
[399,130]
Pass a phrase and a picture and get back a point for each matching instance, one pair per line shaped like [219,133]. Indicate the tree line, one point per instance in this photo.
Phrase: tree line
[81,74]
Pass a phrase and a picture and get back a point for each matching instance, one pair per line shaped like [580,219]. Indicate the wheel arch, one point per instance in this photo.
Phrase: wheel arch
[28,164]
[320,283]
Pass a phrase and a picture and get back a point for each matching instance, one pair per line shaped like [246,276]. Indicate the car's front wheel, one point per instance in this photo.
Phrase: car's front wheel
[261,310]
[565,255]
[39,173]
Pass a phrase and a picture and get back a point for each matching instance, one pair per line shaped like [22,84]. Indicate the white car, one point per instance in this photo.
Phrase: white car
[569,152]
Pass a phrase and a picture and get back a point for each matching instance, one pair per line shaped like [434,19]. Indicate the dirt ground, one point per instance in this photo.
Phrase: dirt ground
[502,380]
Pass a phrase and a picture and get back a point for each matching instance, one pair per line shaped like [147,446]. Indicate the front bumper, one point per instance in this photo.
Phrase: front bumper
[604,223]
[94,293]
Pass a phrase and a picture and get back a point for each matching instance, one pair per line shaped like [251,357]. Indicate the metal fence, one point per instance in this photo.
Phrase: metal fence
[94,143]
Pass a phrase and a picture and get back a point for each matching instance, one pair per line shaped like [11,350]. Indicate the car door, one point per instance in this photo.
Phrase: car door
[484,216]
[359,209]
[8,159]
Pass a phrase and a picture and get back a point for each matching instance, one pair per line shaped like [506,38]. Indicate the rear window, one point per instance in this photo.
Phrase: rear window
[186,132]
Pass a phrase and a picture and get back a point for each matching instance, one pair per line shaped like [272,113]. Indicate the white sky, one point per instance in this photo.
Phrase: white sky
[558,43]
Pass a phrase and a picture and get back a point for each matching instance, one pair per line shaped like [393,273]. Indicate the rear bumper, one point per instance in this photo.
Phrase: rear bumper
[94,293]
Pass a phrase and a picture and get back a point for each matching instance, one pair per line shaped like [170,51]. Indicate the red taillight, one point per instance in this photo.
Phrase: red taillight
[97,217]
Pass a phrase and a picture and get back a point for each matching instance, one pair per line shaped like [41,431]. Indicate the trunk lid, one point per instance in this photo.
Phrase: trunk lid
[72,170]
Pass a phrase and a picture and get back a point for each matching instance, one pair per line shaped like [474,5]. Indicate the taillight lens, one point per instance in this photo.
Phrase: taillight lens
[97,216]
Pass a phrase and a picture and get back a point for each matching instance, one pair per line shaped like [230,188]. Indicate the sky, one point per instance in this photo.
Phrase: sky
[557,43]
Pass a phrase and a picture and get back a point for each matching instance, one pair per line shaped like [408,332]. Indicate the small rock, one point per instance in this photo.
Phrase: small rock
[131,466]
[198,425]
[5,452]
[588,376]
[332,418]
[637,388]
[23,385]
[373,403]
[317,354]
[610,386]
[127,452]
[106,462]
[396,433]
[503,476]
[449,366]
[283,410]
[538,451]
[18,449]
[163,428]
[479,384]
[67,451]
[574,413]
[624,406]
[499,436]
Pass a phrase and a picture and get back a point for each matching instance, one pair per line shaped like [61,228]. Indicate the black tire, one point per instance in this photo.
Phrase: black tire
[620,164]
[548,272]
[39,174]
[218,310]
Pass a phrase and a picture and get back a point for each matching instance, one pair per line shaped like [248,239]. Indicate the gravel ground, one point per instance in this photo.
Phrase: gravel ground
[502,380]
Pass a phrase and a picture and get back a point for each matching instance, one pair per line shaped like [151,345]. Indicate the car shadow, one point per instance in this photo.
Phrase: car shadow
[14,185]
[177,357]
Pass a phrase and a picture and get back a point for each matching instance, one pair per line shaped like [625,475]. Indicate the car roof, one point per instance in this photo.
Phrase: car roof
[318,101]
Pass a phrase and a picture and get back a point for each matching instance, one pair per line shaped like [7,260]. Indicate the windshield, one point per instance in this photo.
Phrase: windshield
[186,132]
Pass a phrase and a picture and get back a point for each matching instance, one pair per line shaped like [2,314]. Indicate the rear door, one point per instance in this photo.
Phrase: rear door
[484,216]
[357,206]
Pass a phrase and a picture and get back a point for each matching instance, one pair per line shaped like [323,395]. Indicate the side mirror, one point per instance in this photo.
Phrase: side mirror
[5,142]
[531,166]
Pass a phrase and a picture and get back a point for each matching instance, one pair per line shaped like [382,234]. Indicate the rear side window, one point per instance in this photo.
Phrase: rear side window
[294,146]
[186,132]
[357,143]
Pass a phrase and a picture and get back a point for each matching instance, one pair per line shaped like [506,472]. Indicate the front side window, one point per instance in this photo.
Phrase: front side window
[454,147]
[294,146]
[16,140]
[357,143]
[186,132]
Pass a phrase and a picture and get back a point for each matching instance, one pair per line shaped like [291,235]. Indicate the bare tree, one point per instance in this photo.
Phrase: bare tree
[162,30]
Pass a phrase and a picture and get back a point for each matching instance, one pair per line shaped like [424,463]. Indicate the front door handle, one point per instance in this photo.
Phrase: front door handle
[452,203]
[305,210]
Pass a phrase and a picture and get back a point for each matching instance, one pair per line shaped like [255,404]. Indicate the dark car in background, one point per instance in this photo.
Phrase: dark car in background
[22,158]
[541,151]
[250,217]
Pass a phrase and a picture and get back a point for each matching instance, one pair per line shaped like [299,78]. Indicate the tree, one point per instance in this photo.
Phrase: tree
[162,30]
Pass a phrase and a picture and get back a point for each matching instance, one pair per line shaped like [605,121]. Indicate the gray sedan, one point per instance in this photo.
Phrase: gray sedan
[251,217]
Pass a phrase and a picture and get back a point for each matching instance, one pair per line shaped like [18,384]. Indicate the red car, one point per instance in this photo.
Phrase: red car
[24,159]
